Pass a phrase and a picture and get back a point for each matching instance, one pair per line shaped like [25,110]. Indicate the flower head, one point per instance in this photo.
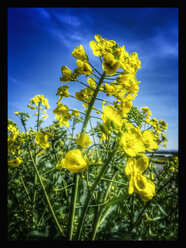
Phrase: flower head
[74,162]
[131,141]
[79,53]
[15,162]
[137,182]
[149,140]
[84,140]
[110,64]
[83,67]
[42,138]
[67,74]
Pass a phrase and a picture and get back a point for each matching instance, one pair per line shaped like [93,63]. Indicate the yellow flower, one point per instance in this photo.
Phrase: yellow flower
[137,182]
[60,164]
[38,99]
[79,53]
[13,133]
[144,188]
[114,89]
[61,109]
[83,140]
[112,121]
[62,92]
[84,67]
[15,162]
[132,63]
[163,124]
[63,119]
[110,115]
[96,48]
[131,142]
[74,162]
[75,113]
[47,106]
[110,89]
[92,82]
[146,111]
[149,141]
[110,65]
[67,74]
[45,116]
[62,115]
[136,166]
[42,138]
[102,46]
[124,106]
[164,139]
[84,94]
[30,106]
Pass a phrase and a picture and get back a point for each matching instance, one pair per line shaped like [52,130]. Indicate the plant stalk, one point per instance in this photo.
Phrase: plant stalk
[90,193]
[76,176]
[46,195]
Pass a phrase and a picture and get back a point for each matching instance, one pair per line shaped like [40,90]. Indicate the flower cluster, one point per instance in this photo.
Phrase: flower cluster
[42,138]
[15,141]
[37,101]
[117,117]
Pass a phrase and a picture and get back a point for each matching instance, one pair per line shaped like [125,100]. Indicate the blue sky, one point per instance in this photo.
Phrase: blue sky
[41,40]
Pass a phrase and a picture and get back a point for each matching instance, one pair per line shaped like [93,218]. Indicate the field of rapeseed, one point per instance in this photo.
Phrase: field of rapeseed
[98,184]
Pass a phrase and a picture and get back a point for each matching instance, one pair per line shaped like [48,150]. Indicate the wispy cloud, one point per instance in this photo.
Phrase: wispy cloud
[13,80]
[43,13]
[69,19]
[62,25]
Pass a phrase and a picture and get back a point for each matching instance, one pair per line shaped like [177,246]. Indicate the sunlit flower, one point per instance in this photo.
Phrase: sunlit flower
[15,162]
[84,140]
[42,138]
[79,53]
[74,162]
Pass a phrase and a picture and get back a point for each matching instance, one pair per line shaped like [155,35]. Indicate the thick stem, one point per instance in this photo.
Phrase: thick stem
[91,104]
[76,176]
[90,193]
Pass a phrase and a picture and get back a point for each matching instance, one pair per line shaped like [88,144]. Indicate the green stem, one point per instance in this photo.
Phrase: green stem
[46,195]
[90,193]
[94,68]
[91,104]
[73,207]
[105,179]
[39,222]
[76,176]
[36,150]
[25,189]
[98,219]
[84,84]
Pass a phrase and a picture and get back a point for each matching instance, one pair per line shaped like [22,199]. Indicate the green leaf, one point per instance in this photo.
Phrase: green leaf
[116,200]
[157,218]
[161,209]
